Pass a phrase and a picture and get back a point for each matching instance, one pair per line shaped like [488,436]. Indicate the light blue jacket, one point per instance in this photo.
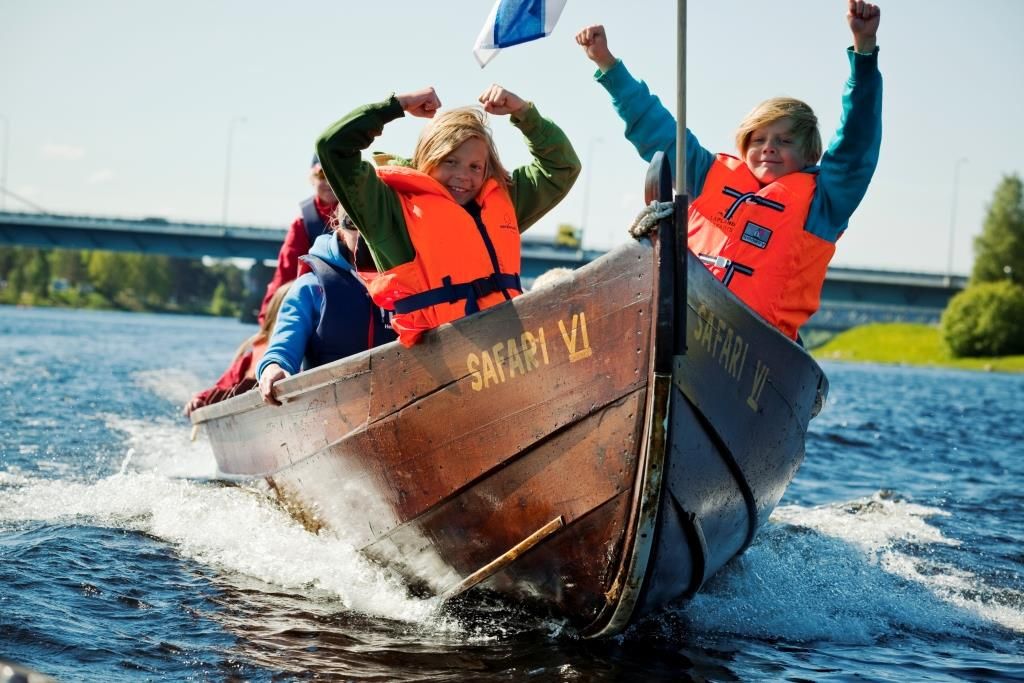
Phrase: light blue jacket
[845,169]
[300,311]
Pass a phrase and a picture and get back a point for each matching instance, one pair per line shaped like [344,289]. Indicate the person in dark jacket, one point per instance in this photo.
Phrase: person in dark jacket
[328,313]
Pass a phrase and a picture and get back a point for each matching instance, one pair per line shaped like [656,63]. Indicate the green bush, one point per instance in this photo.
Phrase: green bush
[221,304]
[985,319]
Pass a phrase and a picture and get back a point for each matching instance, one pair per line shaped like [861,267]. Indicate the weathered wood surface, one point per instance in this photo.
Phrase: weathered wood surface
[440,458]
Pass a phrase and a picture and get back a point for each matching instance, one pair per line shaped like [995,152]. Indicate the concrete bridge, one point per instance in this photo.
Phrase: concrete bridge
[851,296]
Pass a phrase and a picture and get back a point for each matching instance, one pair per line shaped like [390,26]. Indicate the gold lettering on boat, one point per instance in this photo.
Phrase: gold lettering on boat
[739,356]
[489,372]
[473,366]
[508,359]
[721,342]
[579,321]
[760,376]
[515,360]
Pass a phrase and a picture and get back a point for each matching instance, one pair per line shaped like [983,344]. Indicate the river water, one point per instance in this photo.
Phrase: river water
[896,554]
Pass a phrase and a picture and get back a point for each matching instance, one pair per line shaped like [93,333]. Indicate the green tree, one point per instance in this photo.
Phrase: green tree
[190,283]
[999,249]
[986,319]
[107,270]
[10,257]
[158,291]
[147,277]
[221,304]
[37,274]
[15,282]
[70,265]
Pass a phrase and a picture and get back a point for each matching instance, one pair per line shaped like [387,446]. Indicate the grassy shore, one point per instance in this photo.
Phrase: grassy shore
[906,344]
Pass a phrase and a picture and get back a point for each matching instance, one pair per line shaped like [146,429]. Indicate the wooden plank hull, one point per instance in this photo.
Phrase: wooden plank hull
[740,402]
[440,458]
[539,449]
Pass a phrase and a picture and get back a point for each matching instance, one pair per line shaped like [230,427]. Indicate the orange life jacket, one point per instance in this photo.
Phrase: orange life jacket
[458,269]
[754,240]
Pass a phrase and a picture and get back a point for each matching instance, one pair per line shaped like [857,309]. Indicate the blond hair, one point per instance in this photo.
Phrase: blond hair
[801,116]
[269,318]
[447,132]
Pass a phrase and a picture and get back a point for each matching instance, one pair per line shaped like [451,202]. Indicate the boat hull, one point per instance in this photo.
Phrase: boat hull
[741,400]
[592,447]
[438,459]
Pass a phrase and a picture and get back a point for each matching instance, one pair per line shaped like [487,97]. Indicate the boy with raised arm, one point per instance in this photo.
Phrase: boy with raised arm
[766,222]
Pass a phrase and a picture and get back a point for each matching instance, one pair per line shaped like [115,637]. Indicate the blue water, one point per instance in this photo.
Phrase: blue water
[896,555]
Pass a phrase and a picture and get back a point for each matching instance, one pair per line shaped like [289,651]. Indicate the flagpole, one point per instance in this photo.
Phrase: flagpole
[682,202]
[681,98]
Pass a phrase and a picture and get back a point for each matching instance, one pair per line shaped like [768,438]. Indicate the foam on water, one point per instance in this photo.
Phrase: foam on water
[895,533]
[232,528]
[851,573]
[177,386]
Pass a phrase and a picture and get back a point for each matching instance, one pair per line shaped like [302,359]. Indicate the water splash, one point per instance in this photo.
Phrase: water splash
[127,460]
[239,530]
[895,534]
[163,446]
[235,529]
[176,386]
[852,573]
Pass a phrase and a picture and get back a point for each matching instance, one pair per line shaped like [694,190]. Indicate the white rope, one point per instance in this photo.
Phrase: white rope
[649,217]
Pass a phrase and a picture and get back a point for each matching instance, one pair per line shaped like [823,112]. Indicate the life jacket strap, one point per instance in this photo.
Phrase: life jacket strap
[449,293]
[729,268]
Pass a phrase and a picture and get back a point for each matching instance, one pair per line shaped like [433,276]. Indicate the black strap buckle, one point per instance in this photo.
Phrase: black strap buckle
[482,286]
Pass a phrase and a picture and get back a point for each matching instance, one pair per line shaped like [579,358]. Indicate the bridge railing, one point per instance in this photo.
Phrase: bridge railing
[855,299]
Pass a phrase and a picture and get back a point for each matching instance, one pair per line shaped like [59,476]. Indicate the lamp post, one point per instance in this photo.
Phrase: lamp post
[227,166]
[952,218]
[3,168]
[586,185]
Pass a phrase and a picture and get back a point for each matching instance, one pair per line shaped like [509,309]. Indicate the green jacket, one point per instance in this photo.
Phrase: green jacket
[535,188]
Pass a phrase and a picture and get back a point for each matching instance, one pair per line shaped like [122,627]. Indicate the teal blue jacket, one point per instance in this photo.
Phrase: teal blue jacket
[845,169]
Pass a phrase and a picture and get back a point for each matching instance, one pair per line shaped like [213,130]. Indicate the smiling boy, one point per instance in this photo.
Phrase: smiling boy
[766,222]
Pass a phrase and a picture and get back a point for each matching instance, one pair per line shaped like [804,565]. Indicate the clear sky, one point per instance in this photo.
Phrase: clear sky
[123,108]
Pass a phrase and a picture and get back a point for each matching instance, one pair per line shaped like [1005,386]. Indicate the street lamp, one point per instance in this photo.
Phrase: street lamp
[227,166]
[586,185]
[3,168]
[952,218]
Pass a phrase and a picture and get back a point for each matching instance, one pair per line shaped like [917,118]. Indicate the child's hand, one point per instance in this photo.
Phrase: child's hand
[595,42]
[422,103]
[193,404]
[863,18]
[271,374]
[497,100]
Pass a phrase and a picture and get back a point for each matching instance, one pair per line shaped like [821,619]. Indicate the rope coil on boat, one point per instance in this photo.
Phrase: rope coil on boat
[649,217]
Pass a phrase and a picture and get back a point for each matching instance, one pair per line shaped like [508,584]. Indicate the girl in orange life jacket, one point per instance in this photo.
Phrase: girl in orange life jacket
[766,224]
[241,375]
[445,232]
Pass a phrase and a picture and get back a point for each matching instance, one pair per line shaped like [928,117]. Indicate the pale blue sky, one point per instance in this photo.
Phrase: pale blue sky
[123,108]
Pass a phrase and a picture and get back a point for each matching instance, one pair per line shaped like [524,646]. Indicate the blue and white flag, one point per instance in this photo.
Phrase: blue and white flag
[515,21]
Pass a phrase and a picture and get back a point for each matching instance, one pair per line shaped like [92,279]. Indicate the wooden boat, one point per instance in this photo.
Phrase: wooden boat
[560,448]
